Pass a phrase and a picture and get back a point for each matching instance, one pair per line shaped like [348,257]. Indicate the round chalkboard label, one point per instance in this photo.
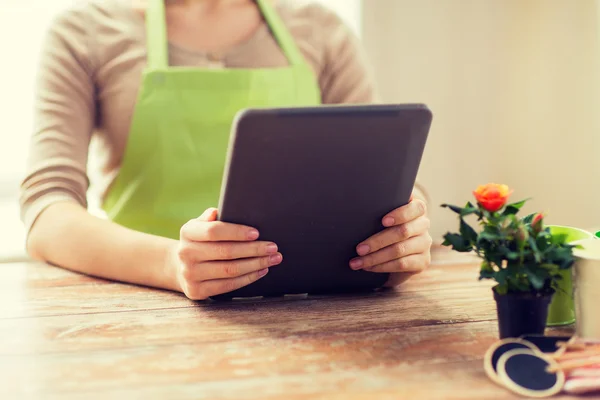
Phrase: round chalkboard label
[525,372]
[490,360]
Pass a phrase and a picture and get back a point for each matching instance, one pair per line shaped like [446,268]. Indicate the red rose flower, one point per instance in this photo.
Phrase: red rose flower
[492,196]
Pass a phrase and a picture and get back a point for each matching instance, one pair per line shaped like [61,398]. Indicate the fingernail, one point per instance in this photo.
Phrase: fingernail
[253,234]
[263,272]
[271,248]
[356,263]
[276,259]
[388,221]
[363,249]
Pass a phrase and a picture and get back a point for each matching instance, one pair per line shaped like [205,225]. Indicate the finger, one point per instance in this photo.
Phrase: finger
[414,245]
[197,252]
[393,235]
[230,269]
[206,289]
[198,230]
[413,210]
[209,215]
[412,263]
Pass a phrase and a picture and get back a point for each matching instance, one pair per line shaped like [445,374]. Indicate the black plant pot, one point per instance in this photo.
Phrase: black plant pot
[521,313]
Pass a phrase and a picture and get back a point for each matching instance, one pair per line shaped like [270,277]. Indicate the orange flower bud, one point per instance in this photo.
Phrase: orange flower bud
[492,196]
[537,222]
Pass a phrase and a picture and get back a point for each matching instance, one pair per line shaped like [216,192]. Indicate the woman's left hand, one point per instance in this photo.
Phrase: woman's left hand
[402,248]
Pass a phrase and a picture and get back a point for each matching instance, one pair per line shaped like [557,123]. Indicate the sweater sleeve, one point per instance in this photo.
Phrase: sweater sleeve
[64,115]
[346,76]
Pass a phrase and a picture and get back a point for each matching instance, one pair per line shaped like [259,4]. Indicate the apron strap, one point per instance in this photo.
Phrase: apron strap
[157,43]
[281,33]
[156,35]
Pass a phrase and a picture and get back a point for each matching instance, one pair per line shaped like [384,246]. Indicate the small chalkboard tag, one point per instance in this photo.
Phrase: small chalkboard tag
[490,360]
[547,344]
[525,372]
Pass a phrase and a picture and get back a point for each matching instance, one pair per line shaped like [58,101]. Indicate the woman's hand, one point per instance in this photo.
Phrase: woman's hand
[214,257]
[402,248]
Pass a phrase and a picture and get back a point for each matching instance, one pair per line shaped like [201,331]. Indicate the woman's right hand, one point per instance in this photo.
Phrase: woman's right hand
[214,257]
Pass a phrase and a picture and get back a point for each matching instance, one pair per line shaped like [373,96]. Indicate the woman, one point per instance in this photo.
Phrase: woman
[160,101]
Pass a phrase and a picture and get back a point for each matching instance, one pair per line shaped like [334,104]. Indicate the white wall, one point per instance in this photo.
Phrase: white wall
[513,86]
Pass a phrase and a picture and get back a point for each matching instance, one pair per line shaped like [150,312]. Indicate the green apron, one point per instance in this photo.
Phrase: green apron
[175,155]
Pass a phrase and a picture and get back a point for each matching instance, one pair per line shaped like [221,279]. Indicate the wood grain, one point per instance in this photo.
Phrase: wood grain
[68,336]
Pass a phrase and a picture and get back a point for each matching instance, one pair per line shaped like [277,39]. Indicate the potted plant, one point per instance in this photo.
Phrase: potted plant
[520,254]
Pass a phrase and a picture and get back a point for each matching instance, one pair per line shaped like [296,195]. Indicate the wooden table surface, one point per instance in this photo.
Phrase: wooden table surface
[69,336]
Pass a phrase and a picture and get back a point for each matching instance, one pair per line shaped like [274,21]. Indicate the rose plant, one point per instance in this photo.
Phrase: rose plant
[520,254]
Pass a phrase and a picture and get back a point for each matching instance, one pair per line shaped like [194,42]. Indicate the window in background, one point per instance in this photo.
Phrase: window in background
[22,27]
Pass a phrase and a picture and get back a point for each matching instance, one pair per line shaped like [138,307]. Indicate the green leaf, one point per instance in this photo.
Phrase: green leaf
[486,266]
[487,271]
[456,209]
[567,263]
[536,251]
[559,254]
[537,277]
[467,232]
[469,209]
[518,205]
[559,239]
[488,215]
[523,286]
[490,233]
[551,268]
[502,289]
[486,275]
[510,210]
[501,276]
[542,242]
[536,281]
[529,218]
[457,242]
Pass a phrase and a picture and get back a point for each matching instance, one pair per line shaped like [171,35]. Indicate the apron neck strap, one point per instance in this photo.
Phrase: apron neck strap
[157,43]
[281,33]
[156,35]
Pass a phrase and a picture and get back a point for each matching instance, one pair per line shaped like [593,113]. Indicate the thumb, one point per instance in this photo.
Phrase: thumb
[209,215]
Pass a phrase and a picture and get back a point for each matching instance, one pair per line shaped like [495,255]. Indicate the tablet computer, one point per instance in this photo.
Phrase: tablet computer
[317,181]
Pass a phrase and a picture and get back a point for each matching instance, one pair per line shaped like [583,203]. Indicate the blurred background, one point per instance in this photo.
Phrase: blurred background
[513,85]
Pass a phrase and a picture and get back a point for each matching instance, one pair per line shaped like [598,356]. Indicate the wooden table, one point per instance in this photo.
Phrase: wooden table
[69,336]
